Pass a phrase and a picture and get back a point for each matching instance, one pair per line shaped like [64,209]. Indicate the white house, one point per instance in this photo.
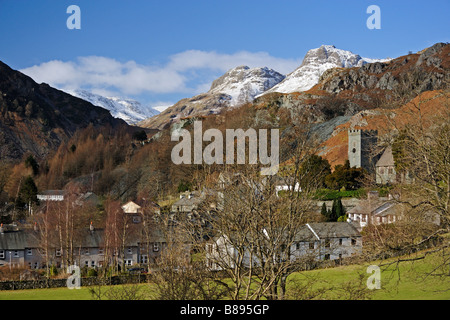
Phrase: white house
[131,207]
[51,195]
[375,210]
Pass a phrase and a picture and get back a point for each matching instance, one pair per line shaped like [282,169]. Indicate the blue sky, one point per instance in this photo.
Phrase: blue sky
[161,51]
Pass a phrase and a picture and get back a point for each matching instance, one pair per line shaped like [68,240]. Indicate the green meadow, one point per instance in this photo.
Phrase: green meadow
[423,279]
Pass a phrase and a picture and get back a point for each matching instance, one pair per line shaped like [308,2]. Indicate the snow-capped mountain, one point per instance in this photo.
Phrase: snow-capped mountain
[315,63]
[243,84]
[129,110]
[237,86]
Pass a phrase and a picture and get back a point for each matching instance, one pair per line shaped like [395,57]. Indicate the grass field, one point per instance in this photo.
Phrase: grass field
[407,281]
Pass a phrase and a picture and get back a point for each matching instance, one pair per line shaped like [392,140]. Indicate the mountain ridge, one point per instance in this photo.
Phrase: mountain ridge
[129,110]
[237,86]
[242,85]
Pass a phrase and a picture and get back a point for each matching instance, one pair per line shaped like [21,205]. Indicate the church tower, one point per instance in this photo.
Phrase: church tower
[361,144]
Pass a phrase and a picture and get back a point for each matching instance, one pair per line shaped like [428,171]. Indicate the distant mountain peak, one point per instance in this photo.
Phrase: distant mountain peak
[129,110]
[236,87]
[315,63]
[243,83]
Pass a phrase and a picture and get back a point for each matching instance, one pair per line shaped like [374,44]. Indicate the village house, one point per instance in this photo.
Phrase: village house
[135,211]
[23,248]
[327,241]
[317,241]
[286,184]
[51,195]
[188,202]
[88,198]
[18,249]
[375,210]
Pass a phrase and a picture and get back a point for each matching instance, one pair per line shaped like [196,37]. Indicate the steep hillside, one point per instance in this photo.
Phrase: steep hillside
[427,106]
[36,118]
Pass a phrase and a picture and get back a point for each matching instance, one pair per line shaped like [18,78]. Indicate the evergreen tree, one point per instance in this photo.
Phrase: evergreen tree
[324,210]
[336,212]
[27,193]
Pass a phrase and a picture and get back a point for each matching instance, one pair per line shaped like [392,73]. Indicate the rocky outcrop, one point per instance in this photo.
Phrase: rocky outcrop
[416,72]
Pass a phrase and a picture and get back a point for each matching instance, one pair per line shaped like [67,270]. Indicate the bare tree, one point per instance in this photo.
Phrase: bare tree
[179,272]
[253,228]
[421,151]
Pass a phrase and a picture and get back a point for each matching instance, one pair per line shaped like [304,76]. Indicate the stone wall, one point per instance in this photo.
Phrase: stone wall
[60,283]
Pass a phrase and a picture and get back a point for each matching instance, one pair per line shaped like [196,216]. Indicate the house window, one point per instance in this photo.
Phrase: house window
[100,251]
[136,219]
[86,251]
[327,243]
[340,242]
[16,253]
[311,245]
[353,242]
[58,252]
[128,262]
[327,256]
[2,254]
[29,252]
[92,264]
[297,246]
[86,263]
[391,171]
[144,258]
[129,250]
[156,247]
[381,170]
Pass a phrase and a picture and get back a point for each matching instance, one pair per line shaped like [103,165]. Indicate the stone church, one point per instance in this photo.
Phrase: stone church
[362,154]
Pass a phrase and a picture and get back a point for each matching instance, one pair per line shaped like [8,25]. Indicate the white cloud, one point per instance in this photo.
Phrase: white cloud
[105,73]
[196,59]
[178,75]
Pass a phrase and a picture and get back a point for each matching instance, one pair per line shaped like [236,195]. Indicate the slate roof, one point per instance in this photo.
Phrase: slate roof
[23,239]
[326,230]
[18,240]
[322,230]
[334,229]
[52,193]
[386,159]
